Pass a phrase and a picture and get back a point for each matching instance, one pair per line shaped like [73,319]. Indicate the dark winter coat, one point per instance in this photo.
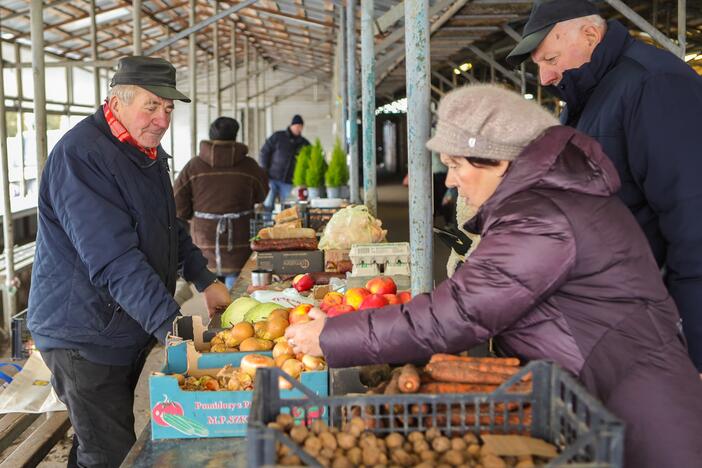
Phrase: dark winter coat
[644,106]
[109,248]
[221,180]
[279,153]
[563,273]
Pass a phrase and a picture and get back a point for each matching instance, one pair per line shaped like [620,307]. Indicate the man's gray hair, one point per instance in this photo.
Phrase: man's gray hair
[595,20]
[124,92]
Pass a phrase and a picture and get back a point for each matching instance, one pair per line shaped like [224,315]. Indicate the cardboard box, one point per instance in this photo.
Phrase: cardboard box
[291,262]
[337,261]
[207,414]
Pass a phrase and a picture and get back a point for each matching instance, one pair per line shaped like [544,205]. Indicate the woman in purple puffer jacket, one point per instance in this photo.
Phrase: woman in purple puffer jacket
[562,272]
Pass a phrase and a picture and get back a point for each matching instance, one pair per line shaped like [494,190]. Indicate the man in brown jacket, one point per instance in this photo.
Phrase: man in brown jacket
[217,192]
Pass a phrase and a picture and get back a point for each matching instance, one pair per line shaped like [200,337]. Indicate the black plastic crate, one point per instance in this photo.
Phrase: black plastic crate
[562,412]
[260,220]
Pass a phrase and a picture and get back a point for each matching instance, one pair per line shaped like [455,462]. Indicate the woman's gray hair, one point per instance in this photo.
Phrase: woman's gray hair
[124,92]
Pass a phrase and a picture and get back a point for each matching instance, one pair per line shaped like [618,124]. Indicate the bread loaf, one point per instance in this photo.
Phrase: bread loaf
[285,216]
[286,233]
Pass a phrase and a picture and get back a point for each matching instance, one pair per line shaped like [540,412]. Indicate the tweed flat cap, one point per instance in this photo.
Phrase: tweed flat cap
[487,121]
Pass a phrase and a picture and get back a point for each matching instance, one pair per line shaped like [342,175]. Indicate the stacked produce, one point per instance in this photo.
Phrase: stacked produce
[379,292]
[231,378]
[256,328]
[352,445]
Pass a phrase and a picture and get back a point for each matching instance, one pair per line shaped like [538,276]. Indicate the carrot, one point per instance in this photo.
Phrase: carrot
[447,387]
[482,367]
[486,360]
[408,380]
[462,372]
[469,418]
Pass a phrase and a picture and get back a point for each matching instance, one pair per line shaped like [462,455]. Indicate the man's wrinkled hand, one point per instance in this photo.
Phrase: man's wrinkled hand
[216,298]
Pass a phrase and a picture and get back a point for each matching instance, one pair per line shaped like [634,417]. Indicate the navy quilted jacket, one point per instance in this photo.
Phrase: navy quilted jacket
[109,248]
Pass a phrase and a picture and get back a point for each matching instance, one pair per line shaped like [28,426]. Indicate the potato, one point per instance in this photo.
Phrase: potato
[255,344]
[318,426]
[356,426]
[286,421]
[290,460]
[324,461]
[342,462]
[414,436]
[453,457]
[382,459]
[474,450]
[441,444]
[326,452]
[345,440]
[458,444]
[407,447]
[355,455]
[493,461]
[368,440]
[401,457]
[470,438]
[274,425]
[370,455]
[427,456]
[432,434]
[299,434]
[421,446]
[328,441]
[424,465]
[394,440]
[313,445]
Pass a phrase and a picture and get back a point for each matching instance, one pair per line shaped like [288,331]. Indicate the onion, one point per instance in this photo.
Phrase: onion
[293,367]
[313,363]
[281,348]
[251,362]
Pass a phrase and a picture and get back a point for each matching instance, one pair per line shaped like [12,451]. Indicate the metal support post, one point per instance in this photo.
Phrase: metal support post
[418,129]
[20,117]
[208,91]
[192,64]
[247,120]
[136,22]
[370,195]
[37,37]
[682,27]
[8,292]
[94,53]
[522,76]
[233,70]
[352,97]
[256,123]
[342,77]
[646,27]
[218,92]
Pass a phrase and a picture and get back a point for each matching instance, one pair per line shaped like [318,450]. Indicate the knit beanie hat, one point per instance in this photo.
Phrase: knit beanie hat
[487,121]
[224,128]
[297,119]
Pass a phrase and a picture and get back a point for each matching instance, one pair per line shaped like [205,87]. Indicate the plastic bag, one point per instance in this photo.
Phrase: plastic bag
[352,225]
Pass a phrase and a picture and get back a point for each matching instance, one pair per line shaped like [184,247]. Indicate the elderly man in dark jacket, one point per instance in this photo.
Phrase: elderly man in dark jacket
[216,192]
[562,272]
[643,105]
[278,157]
[109,249]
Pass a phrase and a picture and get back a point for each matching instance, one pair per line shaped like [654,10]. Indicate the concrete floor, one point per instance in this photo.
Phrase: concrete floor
[393,210]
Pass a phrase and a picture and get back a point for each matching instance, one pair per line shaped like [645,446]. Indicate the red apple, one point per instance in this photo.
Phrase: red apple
[392,299]
[381,285]
[303,282]
[299,314]
[374,301]
[355,296]
[340,309]
[404,297]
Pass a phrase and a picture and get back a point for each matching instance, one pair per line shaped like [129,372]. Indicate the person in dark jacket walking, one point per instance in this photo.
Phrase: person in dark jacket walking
[562,272]
[643,105]
[278,157]
[108,251]
[216,192]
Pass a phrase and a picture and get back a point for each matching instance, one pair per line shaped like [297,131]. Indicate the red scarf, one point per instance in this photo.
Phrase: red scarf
[123,135]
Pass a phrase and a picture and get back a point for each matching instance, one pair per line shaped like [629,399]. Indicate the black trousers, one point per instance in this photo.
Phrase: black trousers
[100,401]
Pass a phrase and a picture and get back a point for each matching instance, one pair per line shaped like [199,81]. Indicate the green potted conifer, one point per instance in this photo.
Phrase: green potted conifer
[314,177]
[337,174]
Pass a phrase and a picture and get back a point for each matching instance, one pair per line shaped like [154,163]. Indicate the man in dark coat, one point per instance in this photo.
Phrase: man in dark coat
[109,250]
[216,192]
[278,157]
[562,272]
[643,105]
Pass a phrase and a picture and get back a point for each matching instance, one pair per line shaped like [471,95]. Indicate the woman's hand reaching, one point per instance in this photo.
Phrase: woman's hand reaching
[304,337]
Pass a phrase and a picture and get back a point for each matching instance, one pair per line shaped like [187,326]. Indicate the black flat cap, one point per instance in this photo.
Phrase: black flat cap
[151,73]
[544,16]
